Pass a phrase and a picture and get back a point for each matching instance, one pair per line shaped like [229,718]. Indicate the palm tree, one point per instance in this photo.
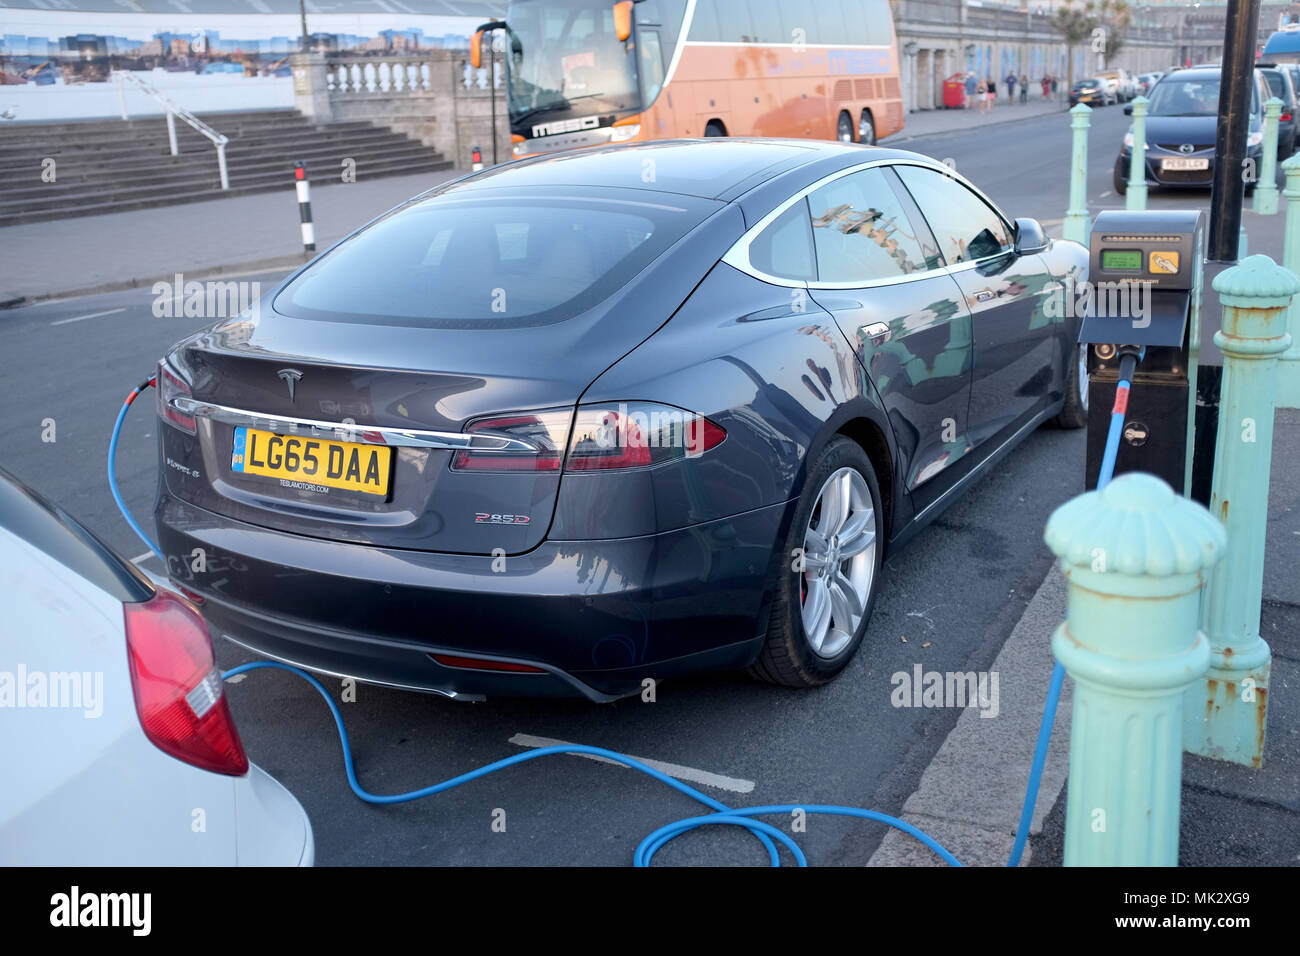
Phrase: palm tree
[1075,24]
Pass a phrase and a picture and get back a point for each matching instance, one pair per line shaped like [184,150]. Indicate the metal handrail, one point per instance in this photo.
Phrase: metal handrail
[174,110]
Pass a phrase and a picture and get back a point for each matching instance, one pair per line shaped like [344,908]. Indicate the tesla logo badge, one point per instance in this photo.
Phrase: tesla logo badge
[1187,148]
[290,377]
[1163,263]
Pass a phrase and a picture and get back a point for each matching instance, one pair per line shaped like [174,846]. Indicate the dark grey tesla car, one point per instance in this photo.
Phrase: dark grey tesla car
[611,415]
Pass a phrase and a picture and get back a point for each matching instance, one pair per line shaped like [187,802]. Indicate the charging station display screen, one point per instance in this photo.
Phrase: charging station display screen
[1121,260]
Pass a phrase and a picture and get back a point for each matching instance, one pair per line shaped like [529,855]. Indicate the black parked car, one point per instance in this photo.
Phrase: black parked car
[601,416]
[1281,83]
[1182,121]
[1093,91]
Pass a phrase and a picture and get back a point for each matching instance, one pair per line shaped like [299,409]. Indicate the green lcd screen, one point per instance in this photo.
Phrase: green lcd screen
[1121,260]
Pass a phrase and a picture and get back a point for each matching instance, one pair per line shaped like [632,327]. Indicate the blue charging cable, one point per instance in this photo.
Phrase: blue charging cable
[722,815]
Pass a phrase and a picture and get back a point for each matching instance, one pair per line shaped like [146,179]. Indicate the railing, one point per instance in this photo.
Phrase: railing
[173,111]
[396,75]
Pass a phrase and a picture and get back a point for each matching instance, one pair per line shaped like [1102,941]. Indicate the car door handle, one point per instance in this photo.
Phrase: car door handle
[983,296]
[878,331]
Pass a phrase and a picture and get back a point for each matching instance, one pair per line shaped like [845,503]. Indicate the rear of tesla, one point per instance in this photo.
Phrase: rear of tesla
[117,740]
[389,473]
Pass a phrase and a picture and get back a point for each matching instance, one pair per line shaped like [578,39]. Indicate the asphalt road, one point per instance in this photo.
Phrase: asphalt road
[947,602]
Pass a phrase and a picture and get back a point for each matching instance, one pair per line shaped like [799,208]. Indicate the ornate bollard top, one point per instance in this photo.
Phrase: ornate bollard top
[1257,282]
[1079,114]
[1273,107]
[1135,527]
[1140,105]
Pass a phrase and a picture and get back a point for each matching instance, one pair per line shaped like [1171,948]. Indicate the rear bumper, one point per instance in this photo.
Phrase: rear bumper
[1192,179]
[597,617]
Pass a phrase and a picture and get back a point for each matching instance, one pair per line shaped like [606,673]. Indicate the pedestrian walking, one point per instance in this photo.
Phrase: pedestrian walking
[1054,80]
[1047,86]
[992,94]
[982,95]
[1011,87]
[969,86]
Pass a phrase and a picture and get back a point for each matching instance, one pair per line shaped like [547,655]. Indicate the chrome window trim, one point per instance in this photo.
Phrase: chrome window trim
[738,255]
[363,434]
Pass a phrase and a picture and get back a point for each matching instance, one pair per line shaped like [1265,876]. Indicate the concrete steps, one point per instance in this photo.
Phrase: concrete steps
[107,166]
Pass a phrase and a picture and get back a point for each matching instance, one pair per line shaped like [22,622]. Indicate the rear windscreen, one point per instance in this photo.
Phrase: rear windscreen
[488,263]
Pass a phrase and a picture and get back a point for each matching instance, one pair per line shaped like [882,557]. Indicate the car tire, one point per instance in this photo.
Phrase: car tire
[839,481]
[715,129]
[1074,413]
[1120,182]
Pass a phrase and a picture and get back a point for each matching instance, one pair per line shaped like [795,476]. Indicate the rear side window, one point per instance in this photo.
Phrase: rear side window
[486,263]
[785,248]
[861,232]
[965,226]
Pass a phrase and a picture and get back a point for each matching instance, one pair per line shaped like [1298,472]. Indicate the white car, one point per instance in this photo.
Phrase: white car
[116,740]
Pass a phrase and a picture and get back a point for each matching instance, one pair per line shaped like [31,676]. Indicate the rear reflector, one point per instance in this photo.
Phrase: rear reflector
[479,664]
[178,691]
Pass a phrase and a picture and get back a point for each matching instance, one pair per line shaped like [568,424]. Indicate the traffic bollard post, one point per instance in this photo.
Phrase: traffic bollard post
[1288,370]
[1226,712]
[1135,196]
[1077,223]
[1134,556]
[303,188]
[1266,188]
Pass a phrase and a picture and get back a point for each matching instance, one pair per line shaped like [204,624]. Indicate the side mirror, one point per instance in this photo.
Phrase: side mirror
[476,50]
[623,20]
[1128,109]
[1030,237]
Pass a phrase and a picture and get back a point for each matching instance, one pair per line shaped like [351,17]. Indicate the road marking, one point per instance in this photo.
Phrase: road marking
[93,315]
[1105,194]
[690,774]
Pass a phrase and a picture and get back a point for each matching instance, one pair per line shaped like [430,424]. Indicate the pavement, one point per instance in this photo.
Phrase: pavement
[976,591]
[922,123]
[971,794]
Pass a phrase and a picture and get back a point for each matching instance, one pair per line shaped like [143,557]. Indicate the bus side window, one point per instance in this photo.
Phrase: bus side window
[652,66]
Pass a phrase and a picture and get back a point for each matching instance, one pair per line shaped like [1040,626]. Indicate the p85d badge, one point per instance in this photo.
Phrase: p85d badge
[482,517]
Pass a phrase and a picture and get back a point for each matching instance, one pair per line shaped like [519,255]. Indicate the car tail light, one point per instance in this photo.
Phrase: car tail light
[1286,117]
[170,385]
[636,434]
[178,691]
[537,446]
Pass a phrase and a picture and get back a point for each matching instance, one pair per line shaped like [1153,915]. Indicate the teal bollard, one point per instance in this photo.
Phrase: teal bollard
[1134,556]
[1135,196]
[1077,224]
[1288,369]
[1266,189]
[1226,712]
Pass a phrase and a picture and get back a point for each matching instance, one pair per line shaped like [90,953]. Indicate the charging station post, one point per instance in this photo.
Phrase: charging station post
[1134,557]
[1145,298]
[1226,711]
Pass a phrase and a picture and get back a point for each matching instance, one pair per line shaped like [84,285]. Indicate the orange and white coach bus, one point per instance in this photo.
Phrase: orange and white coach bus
[588,72]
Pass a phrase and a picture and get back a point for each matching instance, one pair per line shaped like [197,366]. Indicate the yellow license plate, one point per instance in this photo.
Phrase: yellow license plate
[297,460]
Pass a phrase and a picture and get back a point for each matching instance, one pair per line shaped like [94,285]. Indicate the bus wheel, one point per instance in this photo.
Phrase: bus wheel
[866,129]
[844,128]
[715,128]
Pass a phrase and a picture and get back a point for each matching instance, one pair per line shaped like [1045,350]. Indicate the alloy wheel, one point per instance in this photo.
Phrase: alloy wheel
[839,562]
